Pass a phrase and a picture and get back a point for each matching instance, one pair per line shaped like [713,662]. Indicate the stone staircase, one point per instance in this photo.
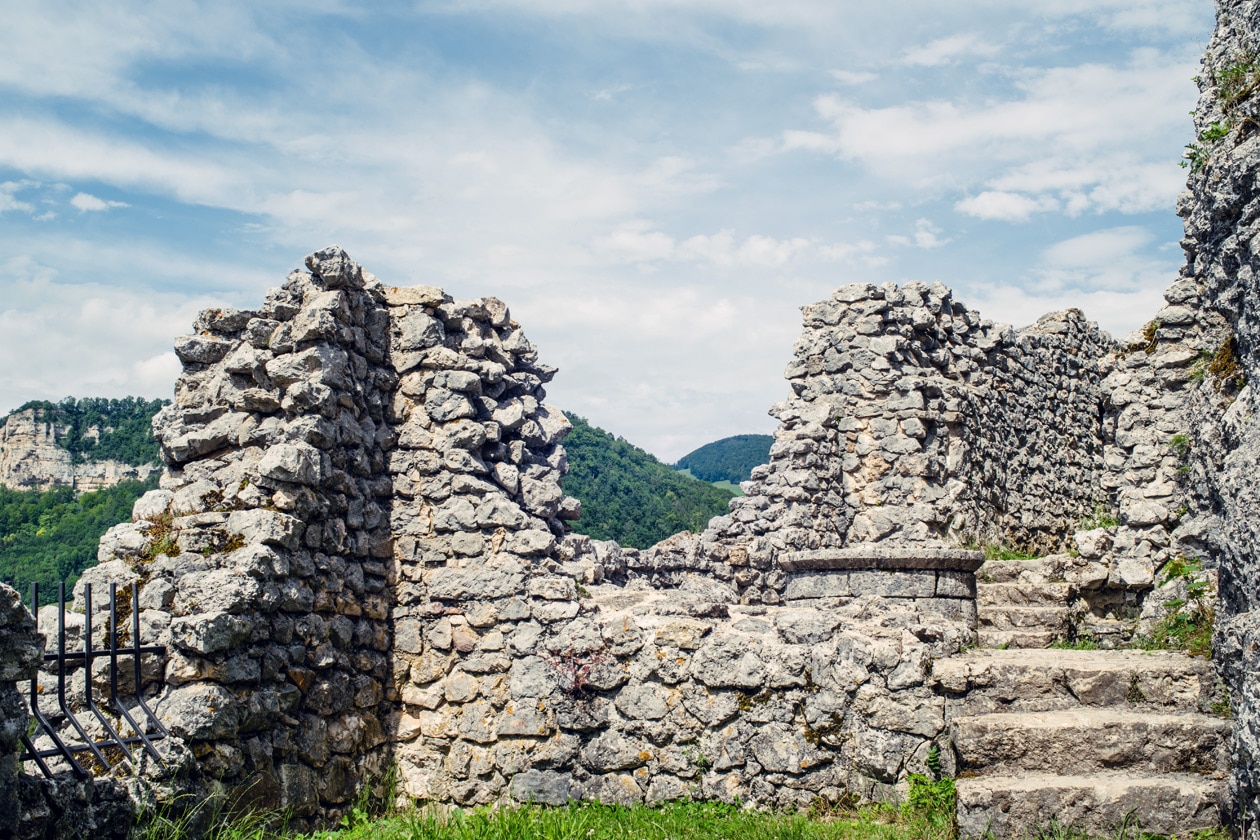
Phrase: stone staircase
[1089,738]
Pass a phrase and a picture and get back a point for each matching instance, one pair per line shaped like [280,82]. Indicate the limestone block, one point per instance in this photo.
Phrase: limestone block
[643,702]
[916,714]
[525,719]
[200,712]
[682,633]
[209,633]
[201,349]
[894,584]
[729,663]
[266,527]
[780,749]
[334,268]
[324,364]
[613,751]
[1093,544]
[216,591]
[803,585]
[297,463]
[553,588]
[430,296]
[541,787]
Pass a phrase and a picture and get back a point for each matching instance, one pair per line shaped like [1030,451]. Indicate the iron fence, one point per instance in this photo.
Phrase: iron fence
[115,743]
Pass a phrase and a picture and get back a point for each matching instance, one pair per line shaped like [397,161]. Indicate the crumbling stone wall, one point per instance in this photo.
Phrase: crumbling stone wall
[1219,210]
[21,651]
[913,421]
[358,555]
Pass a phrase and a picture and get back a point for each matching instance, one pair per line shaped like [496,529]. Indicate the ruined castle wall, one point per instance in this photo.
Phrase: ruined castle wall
[265,560]
[1221,216]
[358,557]
[914,421]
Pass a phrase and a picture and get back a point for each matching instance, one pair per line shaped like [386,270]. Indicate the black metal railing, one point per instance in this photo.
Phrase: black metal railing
[115,743]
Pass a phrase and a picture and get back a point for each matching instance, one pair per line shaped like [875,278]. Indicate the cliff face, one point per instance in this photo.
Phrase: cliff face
[32,458]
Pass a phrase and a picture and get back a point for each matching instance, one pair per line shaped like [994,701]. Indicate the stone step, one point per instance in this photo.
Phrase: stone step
[982,681]
[1016,639]
[1016,806]
[1091,739]
[1084,575]
[1022,594]
[1024,618]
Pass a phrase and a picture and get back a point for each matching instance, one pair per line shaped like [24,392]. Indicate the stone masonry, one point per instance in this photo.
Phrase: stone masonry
[358,555]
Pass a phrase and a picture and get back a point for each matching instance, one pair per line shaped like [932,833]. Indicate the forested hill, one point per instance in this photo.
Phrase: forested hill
[729,459]
[98,429]
[629,496]
[52,536]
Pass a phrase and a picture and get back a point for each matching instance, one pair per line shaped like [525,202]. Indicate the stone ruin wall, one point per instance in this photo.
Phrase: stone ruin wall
[1221,278]
[358,554]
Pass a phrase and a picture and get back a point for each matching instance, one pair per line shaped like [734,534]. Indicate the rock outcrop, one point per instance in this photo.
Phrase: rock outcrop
[32,458]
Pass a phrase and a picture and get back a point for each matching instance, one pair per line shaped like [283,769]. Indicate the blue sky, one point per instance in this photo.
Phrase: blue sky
[655,186]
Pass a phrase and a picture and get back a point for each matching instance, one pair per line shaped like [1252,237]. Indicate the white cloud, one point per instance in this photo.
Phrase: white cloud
[536,181]
[1075,139]
[1007,206]
[8,197]
[610,93]
[926,235]
[949,50]
[87,203]
[1112,275]
[863,251]
[639,242]
[106,341]
[853,77]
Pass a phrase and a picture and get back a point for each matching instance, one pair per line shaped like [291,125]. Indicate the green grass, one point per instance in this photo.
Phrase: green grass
[1102,517]
[996,551]
[919,819]
[673,821]
[1084,643]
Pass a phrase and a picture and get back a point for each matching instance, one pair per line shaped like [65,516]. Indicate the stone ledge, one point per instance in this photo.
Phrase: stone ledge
[880,558]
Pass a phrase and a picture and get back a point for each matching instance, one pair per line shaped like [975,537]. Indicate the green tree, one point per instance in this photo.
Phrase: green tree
[101,429]
[53,536]
[729,459]
[629,496]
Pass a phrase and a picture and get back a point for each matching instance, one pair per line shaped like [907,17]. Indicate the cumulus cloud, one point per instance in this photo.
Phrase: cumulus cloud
[639,242]
[1116,276]
[926,235]
[88,203]
[585,204]
[1006,206]
[1074,139]
[949,50]
[8,197]
[59,338]
[853,77]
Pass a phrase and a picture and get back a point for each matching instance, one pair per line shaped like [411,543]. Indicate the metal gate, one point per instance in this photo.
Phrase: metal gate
[115,747]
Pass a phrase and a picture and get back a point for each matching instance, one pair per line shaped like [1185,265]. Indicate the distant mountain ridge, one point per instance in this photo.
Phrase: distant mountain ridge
[729,459]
